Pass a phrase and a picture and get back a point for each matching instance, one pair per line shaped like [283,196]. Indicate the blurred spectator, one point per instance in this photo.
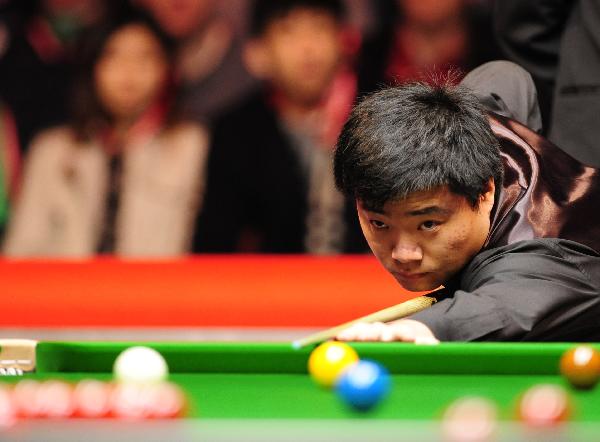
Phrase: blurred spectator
[558,42]
[423,38]
[124,177]
[9,163]
[209,54]
[36,59]
[270,181]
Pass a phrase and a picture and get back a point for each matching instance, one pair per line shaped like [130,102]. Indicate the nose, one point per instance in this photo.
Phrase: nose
[309,47]
[406,253]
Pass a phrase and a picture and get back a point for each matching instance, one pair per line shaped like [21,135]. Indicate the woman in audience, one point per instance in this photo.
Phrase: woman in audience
[124,177]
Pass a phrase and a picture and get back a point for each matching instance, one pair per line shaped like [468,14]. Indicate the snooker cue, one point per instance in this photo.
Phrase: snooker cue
[397,311]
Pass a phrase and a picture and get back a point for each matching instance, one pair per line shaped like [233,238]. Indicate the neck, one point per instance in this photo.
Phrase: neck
[122,129]
[296,110]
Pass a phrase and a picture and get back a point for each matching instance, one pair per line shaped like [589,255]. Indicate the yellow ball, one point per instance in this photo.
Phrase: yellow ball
[328,361]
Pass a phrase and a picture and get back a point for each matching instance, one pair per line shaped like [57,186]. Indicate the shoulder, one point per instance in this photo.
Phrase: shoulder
[59,135]
[542,258]
[187,134]
[519,141]
[250,111]
[182,146]
[534,250]
[243,131]
[52,144]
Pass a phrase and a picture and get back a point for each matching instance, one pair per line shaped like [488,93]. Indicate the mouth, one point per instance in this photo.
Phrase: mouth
[409,276]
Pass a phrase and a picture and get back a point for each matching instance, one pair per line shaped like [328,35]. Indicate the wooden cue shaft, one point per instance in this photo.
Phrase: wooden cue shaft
[398,311]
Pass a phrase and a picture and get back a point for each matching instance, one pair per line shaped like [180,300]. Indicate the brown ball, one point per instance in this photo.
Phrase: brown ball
[581,366]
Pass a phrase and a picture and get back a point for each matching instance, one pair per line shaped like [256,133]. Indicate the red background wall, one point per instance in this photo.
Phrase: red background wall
[204,291]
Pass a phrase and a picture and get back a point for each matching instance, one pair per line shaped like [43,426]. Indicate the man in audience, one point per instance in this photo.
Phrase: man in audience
[270,185]
[208,45]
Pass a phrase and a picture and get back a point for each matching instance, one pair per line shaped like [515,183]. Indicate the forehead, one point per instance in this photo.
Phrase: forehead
[131,34]
[302,14]
[440,200]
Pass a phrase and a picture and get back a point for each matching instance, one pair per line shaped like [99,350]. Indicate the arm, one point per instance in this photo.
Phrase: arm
[534,290]
[29,223]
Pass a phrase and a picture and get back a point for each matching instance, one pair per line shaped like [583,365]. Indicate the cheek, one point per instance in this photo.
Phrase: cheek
[457,249]
[101,76]
[374,243]
[458,240]
[280,67]
[447,246]
[103,84]
[109,77]
[153,80]
[281,51]
[329,51]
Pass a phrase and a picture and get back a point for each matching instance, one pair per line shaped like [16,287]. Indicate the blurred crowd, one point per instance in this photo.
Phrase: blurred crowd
[159,128]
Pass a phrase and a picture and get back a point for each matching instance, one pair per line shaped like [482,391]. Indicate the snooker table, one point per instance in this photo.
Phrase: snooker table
[261,391]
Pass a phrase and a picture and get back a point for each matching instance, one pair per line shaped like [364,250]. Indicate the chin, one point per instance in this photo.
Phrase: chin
[417,286]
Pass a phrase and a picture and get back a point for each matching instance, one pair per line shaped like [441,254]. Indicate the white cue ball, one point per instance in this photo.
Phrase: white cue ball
[140,365]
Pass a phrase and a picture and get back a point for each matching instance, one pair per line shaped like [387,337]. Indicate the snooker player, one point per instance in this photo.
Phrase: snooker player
[450,195]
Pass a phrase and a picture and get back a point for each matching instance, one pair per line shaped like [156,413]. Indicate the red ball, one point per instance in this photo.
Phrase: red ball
[581,366]
[167,401]
[470,419]
[544,405]
[27,398]
[130,401]
[8,408]
[162,400]
[55,399]
[92,399]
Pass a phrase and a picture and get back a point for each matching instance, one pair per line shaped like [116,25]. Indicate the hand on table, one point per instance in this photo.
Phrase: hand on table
[405,330]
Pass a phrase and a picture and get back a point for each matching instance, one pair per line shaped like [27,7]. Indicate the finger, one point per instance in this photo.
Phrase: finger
[377,331]
[388,334]
[345,335]
[426,340]
[403,332]
[372,332]
[352,333]
[363,332]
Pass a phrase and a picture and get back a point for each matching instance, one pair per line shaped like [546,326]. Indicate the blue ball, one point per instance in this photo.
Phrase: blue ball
[363,385]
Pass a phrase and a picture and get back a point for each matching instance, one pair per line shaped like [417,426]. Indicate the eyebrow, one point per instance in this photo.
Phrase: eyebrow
[429,210]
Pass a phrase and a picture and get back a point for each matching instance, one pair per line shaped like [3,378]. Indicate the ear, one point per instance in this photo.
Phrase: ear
[256,58]
[487,198]
[361,214]
[359,205]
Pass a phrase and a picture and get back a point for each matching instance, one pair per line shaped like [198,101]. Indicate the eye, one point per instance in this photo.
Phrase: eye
[378,224]
[429,225]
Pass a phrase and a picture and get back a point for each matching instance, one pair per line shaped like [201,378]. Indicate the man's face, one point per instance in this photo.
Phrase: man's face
[302,50]
[428,237]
